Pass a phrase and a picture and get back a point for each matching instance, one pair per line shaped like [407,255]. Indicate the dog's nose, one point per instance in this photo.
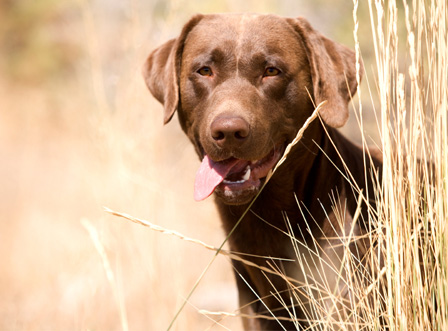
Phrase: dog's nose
[229,131]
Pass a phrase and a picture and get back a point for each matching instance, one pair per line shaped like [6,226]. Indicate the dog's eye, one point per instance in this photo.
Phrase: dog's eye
[205,71]
[271,71]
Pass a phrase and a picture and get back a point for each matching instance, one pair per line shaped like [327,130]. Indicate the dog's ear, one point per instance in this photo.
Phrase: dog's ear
[333,72]
[162,70]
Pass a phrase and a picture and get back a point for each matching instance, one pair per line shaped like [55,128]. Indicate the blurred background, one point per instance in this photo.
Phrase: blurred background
[79,131]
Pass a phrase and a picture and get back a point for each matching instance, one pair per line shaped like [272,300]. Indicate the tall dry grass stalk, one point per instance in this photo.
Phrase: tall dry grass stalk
[109,273]
[413,200]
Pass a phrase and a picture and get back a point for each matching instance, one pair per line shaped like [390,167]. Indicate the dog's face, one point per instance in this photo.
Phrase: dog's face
[242,85]
[243,96]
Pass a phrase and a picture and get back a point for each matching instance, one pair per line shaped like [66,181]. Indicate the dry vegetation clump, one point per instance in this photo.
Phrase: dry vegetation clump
[78,131]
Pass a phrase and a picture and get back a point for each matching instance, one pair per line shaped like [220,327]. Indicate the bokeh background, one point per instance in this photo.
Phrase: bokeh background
[79,131]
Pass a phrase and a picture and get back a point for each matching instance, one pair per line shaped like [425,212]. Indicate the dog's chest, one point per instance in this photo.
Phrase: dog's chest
[311,271]
[321,272]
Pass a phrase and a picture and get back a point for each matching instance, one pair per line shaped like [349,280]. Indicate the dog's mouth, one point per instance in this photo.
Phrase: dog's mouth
[233,178]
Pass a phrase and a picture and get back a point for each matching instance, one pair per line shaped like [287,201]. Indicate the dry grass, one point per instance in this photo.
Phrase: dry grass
[94,138]
[414,132]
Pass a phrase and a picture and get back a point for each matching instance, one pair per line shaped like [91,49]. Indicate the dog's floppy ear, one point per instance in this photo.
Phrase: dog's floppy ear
[162,70]
[333,72]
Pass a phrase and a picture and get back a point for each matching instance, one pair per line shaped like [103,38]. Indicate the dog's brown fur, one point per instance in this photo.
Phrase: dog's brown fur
[264,112]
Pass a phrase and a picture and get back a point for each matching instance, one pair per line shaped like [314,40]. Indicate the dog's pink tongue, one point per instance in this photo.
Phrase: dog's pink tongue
[210,174]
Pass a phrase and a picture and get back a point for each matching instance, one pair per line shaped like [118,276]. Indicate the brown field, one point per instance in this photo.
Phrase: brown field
[80,132]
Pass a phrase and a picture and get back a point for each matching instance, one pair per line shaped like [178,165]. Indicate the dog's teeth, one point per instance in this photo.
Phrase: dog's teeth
[247,174]
[235,182]
[242,180]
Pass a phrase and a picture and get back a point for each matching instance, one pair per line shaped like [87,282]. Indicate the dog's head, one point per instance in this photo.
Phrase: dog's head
[243,85]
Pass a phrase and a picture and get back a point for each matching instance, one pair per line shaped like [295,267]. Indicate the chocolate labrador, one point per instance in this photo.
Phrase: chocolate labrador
[243,85]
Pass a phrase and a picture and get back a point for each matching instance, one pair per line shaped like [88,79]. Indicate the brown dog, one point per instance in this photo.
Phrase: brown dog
[243,85]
